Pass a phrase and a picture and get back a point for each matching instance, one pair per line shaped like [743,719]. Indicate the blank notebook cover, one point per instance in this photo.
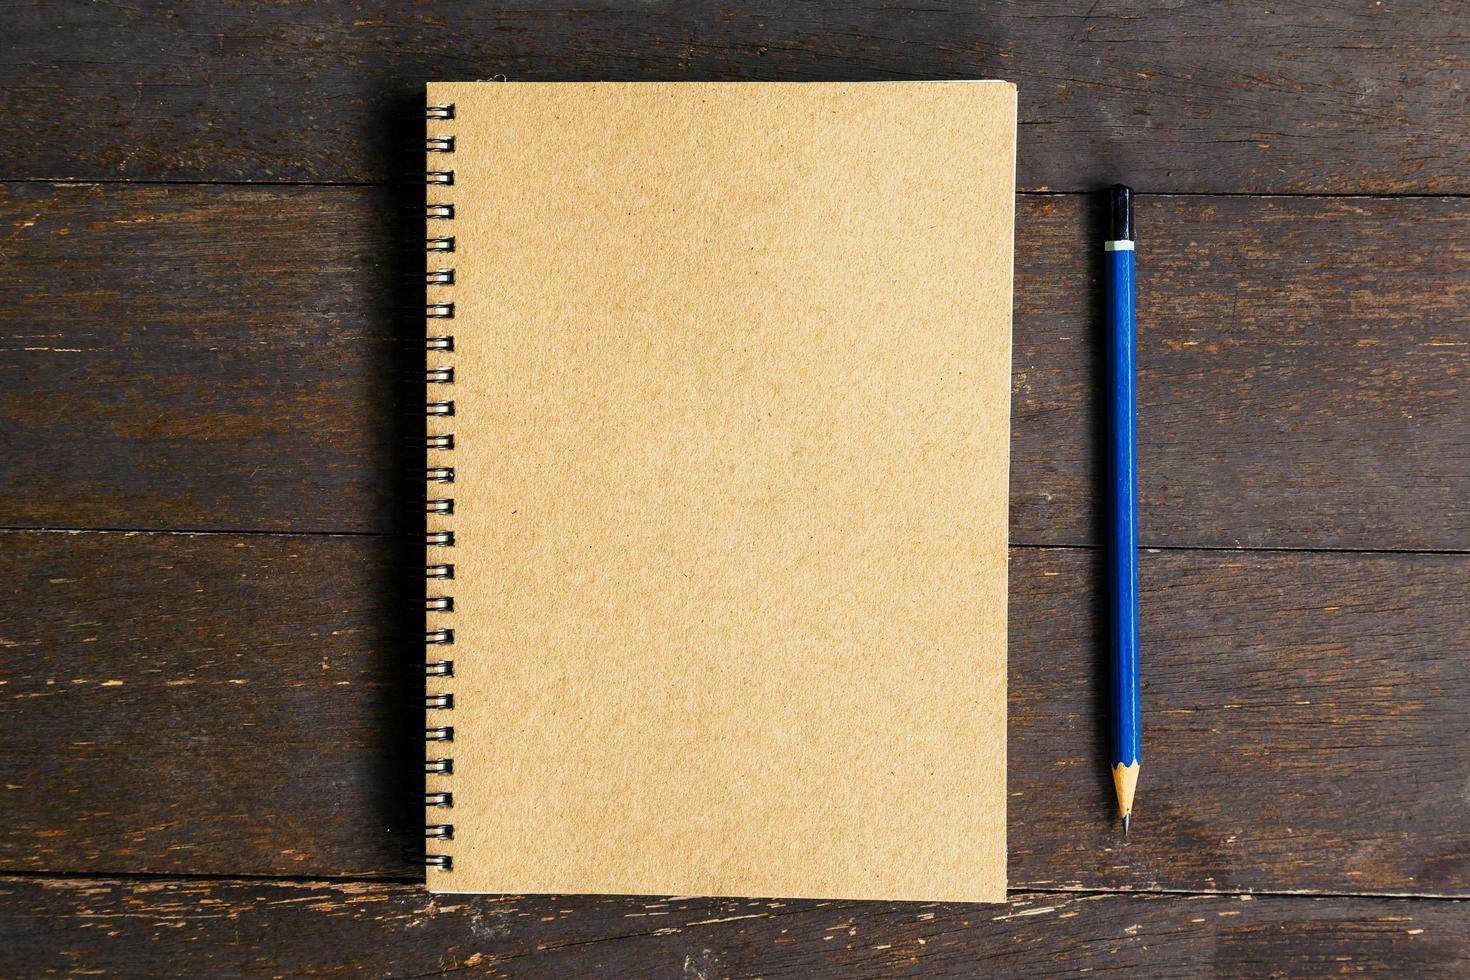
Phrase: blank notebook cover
[719,422]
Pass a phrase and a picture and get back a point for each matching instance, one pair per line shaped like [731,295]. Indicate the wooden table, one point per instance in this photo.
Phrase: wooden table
[209,705]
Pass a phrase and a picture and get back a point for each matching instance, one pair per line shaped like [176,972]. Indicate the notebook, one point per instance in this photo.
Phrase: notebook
[719,387]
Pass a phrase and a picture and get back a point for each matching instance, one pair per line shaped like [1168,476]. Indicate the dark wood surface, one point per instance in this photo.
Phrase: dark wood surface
[300,928]
[1221,97]
[207,739]
[1301,362]
[263,684]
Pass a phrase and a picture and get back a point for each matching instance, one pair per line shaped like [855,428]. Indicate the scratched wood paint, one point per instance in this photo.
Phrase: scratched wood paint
[348,928]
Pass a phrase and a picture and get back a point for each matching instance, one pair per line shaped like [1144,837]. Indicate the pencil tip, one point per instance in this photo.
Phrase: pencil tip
[1125,781]
[1126,818]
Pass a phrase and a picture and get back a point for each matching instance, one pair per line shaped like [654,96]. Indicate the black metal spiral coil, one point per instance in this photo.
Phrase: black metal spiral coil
[438,411]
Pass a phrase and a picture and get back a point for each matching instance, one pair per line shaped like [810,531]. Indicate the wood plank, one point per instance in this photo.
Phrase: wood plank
[210,703]
[1176,97]
[203,358]
[1304,373]
[245,704]
[230,928]
[226,358]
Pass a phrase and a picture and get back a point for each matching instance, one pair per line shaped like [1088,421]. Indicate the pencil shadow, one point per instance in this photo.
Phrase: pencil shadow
[1097,220]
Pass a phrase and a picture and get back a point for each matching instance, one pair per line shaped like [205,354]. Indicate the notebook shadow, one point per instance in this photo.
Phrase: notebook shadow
[398,787]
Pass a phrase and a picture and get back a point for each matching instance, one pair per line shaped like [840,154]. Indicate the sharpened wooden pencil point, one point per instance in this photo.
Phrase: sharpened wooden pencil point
[1125,782]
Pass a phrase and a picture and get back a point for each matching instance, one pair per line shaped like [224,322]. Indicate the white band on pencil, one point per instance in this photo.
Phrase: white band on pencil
[1121,245]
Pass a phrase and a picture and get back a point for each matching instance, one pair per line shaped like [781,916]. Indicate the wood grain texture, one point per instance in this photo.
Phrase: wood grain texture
[233,928]
[216,357]
[179,698]
[1303,373]
[229,704]
[1180,97]
[226,358]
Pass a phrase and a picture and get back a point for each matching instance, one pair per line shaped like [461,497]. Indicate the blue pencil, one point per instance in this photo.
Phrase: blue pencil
[1122,500]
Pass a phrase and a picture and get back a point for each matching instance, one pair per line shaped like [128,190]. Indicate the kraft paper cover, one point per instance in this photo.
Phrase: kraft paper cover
[731,422]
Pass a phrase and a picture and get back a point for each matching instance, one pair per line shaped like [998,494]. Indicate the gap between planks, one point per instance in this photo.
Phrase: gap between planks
[1029,546]
[1138,190]
[142,877]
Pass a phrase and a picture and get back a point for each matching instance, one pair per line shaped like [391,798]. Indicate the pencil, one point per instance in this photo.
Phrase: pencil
[1123,500]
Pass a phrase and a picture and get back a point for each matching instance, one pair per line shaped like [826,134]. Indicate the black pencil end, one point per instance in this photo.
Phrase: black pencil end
[1120,197]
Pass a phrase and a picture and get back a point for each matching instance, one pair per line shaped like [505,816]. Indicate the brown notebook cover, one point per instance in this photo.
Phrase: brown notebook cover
[725,426]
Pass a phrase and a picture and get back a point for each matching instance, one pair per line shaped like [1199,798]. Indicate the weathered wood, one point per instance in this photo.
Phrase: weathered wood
[230,928]
[209,703]
[225,358]
[245,705]
[1197,97]
[229,358]
[1304,373]
[200,358]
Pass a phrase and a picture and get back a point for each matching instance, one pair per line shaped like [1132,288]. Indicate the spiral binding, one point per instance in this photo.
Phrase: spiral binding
[439,411]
